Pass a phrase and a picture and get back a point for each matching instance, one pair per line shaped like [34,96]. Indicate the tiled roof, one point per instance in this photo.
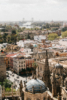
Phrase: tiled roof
[11,55]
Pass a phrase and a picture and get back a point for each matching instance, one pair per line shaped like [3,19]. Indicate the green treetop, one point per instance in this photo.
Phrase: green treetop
[64,34]
[52,36]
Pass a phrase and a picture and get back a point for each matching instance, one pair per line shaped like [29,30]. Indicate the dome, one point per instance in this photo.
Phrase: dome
[58,66]
[38,85]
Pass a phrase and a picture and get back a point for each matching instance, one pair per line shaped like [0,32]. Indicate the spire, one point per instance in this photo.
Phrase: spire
[46,65]
[34,74]
[33,90]
[54,77]
[37,56]
[46,60]
[21,90]
[21,87]
[46,73]
[53,84]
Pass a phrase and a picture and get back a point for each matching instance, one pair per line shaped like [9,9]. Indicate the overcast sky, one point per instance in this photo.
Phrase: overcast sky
[16,10]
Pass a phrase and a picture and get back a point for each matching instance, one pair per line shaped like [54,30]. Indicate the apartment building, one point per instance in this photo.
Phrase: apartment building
[19,64]
[29,62]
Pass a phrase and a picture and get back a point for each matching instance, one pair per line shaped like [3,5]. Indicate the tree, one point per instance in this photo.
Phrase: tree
[8,27]
[14,36]
[64,34]
[52,36]
[64,29]
[23,28]
[54,29]
[14,31]
[1,39]
[34,66]
[55,25]
[8,38]
[8,89]
[19,30]
[47,25]
[7,83]
[4,37]
[28,36]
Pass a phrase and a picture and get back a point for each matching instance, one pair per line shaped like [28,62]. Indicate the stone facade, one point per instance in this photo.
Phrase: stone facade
[46,73]
[53,74]
[64,94]
[41,55]
[64,90]
[38,96]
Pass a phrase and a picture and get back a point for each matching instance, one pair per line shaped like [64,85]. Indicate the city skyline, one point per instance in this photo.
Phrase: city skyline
[40,10]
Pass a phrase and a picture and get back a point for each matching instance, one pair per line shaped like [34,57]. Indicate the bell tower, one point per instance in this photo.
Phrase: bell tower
[46,73]
[21,91]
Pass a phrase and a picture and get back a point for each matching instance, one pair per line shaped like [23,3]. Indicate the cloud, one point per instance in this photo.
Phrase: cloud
[30,1]
[61,0]
[22,1]
[38,9]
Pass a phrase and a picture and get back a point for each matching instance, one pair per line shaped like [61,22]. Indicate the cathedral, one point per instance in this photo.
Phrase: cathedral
[52,85]
[54,79]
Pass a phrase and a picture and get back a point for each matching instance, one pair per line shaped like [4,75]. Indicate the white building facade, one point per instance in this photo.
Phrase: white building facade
[39,38]
[19,64]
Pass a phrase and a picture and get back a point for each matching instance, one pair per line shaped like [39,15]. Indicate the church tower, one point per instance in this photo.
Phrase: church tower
[46,73]
[54,92]
[21,91]
[37,58]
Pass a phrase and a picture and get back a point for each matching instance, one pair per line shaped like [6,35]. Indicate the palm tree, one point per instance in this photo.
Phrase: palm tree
[34,66]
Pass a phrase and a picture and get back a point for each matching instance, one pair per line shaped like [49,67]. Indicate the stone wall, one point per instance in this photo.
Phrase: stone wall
[38,96]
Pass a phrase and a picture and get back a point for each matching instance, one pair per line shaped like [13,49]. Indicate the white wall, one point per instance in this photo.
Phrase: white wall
[39,38]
